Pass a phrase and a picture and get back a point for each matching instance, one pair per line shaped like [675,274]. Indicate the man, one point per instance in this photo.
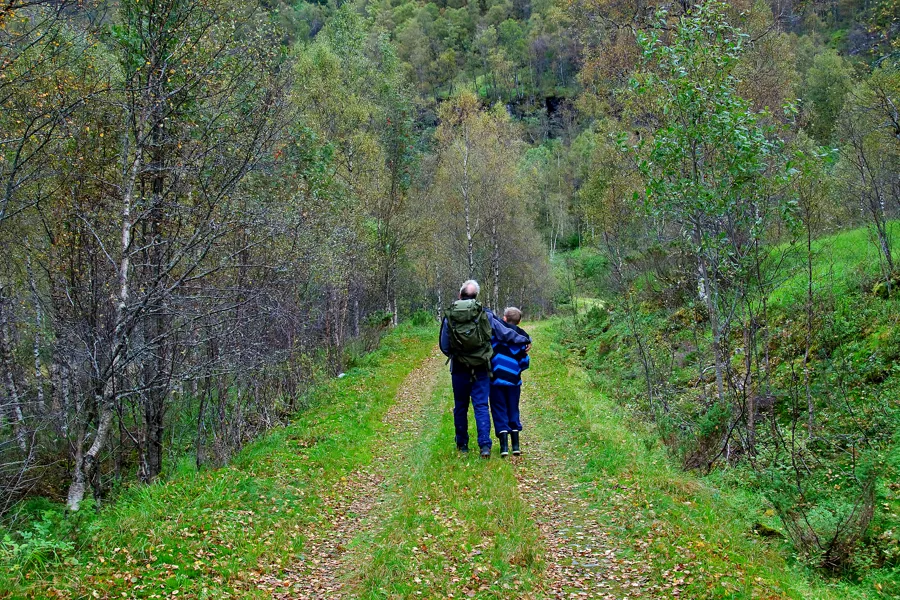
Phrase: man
[466,334]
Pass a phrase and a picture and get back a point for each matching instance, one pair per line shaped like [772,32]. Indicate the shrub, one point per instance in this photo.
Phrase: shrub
[422,318]
[47,536]
[828,533]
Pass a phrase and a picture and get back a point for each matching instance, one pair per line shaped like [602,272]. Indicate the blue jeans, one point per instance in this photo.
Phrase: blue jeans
[476,387]
[505,407]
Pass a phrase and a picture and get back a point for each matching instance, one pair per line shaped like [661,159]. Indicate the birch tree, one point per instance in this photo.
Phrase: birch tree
[706,163]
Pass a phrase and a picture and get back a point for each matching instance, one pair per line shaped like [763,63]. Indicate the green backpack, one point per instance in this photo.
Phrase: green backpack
[470,334]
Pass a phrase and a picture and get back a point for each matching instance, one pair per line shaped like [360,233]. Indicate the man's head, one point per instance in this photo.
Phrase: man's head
[469,290]
[512,315]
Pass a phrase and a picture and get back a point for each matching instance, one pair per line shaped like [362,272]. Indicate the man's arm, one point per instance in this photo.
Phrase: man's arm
[503,333]
[444,341]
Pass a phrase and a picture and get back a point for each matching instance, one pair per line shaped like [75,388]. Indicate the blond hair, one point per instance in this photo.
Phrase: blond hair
[512,315]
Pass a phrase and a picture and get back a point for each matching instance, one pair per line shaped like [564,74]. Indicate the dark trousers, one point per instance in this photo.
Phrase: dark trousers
[477,387]
[505,407]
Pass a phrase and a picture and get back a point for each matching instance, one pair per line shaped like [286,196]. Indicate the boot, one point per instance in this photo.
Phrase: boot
[463,448]
[504,446]
[485,452]
[515,443]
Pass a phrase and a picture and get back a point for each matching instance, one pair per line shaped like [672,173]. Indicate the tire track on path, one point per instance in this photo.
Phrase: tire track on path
[320,571]
[583,559]
[584,556]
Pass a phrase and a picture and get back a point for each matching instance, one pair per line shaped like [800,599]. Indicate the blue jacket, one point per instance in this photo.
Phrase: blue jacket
[509,360]
[500,331]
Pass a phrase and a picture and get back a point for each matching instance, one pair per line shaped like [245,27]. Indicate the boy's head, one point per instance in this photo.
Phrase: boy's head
[512,315]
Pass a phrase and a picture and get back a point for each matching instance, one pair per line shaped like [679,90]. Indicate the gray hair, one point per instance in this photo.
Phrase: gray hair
[470,284]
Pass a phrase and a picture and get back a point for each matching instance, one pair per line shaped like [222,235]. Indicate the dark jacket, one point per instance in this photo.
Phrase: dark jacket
[500,331]
[509,360]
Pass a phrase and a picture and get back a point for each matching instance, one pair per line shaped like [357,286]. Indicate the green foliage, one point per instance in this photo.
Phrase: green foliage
[340,195]
[710,157]
[712,422]
[834,496]
[665,513]
[44,536]
[422,318]
[379,319]
[828,81]
[870,155]
[499,52]
[842,264]
[553,171]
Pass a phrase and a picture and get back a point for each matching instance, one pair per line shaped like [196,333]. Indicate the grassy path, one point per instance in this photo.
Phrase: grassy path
[354,497]
[582,557]
[224,533]
[365,496]
[454,525]
[593,509]
[630,524]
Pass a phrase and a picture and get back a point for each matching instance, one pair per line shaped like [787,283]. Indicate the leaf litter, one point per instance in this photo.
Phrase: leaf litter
[320,569]
[583,559]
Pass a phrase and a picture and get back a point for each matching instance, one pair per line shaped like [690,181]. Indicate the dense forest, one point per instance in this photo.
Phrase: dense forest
[209,207]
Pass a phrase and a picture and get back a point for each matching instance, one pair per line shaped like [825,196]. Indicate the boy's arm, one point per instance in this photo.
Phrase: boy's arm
[524,362]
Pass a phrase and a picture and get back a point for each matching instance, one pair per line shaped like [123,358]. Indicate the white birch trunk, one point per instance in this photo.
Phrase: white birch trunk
[86,464]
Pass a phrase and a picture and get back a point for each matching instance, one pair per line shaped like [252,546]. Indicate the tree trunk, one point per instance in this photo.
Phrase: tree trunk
[440,290]
[810,404]
[707,289]
[86,464]
[495,265]
[36,348]
[646,359]
[749,393]
[470,241]
[60,394]
[12,390]
[154,411]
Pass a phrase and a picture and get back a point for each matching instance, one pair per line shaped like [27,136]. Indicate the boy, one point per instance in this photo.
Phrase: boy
[508,362]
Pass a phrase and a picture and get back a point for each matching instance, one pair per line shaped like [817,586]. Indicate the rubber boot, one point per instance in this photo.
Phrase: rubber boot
[515,443]
[504,445]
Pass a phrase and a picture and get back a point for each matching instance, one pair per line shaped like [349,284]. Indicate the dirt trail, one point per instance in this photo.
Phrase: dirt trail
[583,560]
[319,573]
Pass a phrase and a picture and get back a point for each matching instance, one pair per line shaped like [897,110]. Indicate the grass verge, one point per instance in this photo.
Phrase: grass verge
[697,540]
[210,534]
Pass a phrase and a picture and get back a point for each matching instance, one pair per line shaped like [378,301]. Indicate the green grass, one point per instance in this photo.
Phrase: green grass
[854,360]
[456,524]
[208,534]
[841,263]
[666,518]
